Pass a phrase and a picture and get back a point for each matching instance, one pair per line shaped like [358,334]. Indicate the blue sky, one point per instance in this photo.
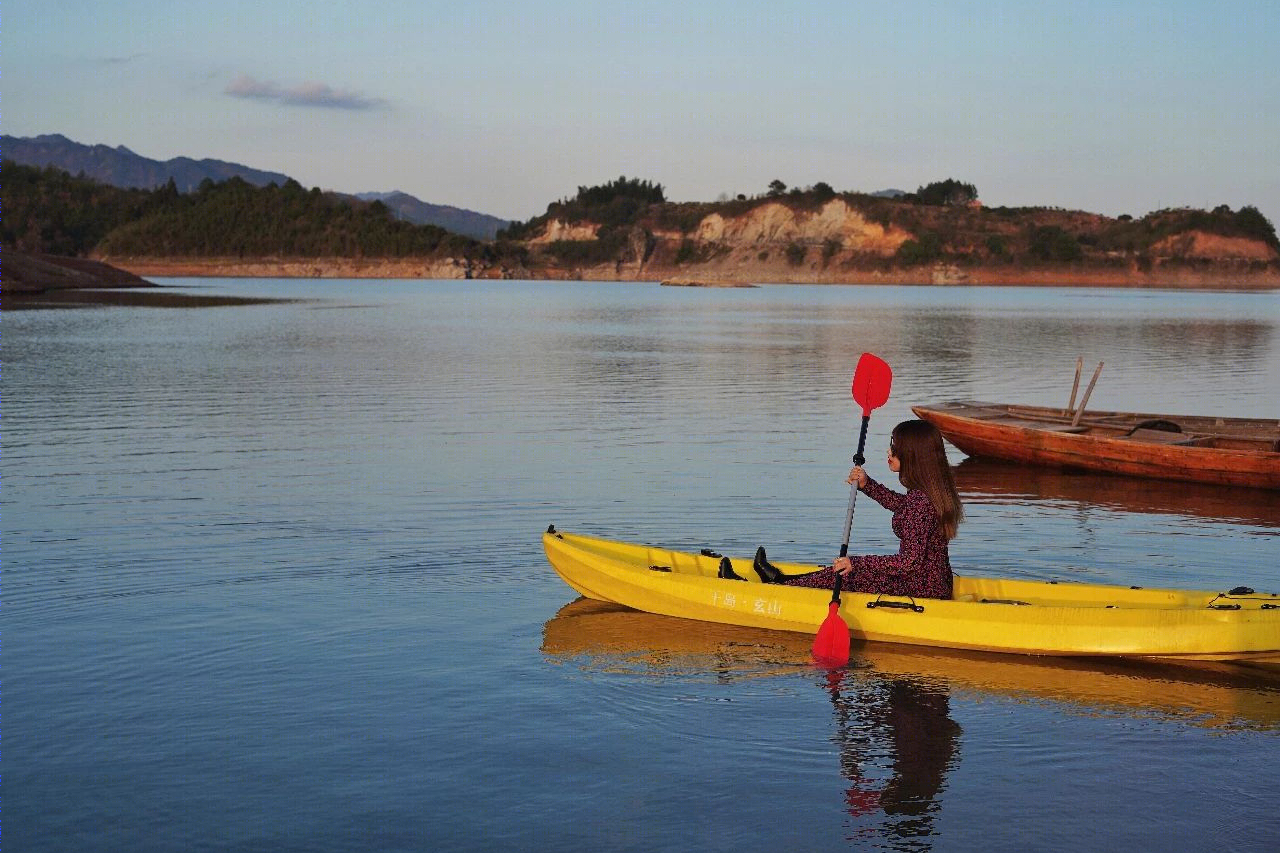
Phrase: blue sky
[1123,106]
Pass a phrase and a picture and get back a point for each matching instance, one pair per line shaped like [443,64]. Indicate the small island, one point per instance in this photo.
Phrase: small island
[693,282]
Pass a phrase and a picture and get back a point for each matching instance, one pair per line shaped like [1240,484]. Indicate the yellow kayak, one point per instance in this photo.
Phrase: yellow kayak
[986,614]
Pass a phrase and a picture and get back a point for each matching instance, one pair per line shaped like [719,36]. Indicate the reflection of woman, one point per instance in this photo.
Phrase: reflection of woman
[924,519]
[922,739]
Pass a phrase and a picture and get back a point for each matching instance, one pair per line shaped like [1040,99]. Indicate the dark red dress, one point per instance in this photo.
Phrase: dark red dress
[922,566]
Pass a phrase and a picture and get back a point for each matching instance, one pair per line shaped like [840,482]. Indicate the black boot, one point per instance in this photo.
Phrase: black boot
[766,570]
[727,572]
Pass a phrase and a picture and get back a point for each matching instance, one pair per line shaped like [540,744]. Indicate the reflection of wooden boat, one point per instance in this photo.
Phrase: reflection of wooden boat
[608,637]
[1231,451]
[990,614]
[992,480]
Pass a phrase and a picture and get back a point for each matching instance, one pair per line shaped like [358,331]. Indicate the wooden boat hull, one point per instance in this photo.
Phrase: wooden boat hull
[987,614]
[1227,451]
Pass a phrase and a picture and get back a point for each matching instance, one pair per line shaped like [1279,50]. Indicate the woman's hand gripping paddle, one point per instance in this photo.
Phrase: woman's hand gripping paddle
[871,382]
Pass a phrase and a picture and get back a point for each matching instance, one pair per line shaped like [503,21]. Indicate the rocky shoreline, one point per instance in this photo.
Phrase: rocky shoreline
[53,281]
[1204,276]
[25,276]
[29,274]
[410,268]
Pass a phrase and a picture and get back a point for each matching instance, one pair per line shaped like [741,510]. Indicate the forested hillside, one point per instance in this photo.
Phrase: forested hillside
[234,218]
[47,211]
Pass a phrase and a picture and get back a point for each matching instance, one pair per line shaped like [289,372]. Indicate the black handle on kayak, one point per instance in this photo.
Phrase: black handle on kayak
[903,605]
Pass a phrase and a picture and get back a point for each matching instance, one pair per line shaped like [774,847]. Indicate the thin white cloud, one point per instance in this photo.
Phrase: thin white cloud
[303,95]
[118,60]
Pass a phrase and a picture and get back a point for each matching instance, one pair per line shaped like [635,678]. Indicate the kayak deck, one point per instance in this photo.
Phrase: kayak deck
[986,614]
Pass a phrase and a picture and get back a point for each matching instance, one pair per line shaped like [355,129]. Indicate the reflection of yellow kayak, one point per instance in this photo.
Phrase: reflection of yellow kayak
[612,637]
[624,640]
[987,614]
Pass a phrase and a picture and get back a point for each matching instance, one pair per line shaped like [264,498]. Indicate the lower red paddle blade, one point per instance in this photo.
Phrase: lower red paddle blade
[831,646]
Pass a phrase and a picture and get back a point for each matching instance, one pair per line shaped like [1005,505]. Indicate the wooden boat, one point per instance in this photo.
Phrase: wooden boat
[986,614]
[1228,451]
[605,637]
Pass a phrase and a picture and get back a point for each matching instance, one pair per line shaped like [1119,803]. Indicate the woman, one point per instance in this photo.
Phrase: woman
[924,519]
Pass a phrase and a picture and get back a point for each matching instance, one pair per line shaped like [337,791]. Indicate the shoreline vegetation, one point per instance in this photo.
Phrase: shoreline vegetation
[65,232]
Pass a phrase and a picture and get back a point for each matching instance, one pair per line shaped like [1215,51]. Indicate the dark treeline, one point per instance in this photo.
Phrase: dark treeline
[236,218]
[1248,221]
[47,211]
[613,205]
[948,192]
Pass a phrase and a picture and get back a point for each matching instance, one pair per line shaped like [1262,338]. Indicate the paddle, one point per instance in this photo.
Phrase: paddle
[871,381]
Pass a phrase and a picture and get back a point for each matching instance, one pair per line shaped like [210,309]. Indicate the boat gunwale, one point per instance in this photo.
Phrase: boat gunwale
[1201,424]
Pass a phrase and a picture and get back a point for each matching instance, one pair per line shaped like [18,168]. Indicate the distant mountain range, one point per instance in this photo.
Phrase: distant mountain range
[482,226]
[121,167]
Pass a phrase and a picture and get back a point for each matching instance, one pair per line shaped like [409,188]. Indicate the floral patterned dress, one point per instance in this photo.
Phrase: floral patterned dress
[922,566]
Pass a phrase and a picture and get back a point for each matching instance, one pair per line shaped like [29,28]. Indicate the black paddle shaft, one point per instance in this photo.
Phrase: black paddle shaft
[859,460]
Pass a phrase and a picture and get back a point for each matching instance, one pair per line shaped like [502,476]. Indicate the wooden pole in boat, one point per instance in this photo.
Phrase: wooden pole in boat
[1075,421]
[1075,386]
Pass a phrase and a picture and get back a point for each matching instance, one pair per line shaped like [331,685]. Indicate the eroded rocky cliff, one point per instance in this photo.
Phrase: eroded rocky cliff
[886,241]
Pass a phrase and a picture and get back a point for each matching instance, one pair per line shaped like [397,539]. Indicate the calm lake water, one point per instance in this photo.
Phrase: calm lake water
[273,579]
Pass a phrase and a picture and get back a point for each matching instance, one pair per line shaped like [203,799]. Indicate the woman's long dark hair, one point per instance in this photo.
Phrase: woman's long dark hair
[918,446]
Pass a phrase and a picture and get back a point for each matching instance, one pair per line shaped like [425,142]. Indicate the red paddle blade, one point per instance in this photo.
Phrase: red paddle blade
[831,646]
[871,382]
